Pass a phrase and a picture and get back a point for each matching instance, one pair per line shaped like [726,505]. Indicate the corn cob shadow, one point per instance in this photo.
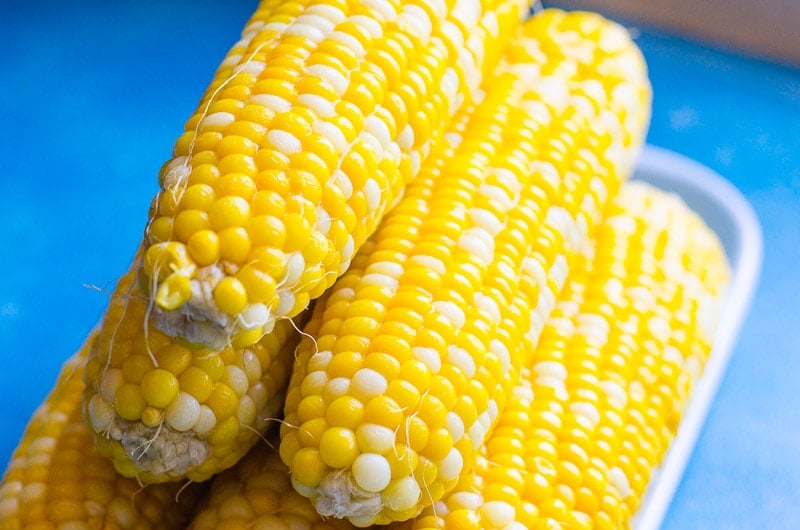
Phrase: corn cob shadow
[57,479]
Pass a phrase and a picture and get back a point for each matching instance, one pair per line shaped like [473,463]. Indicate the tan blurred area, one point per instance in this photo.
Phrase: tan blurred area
[768,29]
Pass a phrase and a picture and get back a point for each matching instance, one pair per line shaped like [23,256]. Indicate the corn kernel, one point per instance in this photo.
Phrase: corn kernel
[371,472]
[204,247]
[189,221]
[310,466]
[345,411]
[161,229]
[230,295]
[337,447]
[234,244]
[196,382]
[228,211]
[129,401]
[159,387]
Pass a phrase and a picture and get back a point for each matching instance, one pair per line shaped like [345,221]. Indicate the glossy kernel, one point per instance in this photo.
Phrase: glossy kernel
[230,295]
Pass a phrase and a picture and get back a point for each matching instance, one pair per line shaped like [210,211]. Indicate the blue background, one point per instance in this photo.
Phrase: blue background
[93,95]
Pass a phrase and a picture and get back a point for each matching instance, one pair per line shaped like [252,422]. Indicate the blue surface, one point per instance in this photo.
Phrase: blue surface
[742,118]
[94,94]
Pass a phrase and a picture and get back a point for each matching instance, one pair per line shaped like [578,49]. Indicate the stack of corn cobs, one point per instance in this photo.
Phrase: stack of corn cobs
[394,275]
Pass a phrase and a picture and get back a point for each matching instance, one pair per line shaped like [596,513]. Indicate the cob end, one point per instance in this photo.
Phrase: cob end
[163,410]
[338,496]
[154,454]
[202,306]
[364,496]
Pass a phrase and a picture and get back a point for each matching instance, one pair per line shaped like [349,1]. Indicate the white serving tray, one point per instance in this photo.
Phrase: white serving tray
[729,214]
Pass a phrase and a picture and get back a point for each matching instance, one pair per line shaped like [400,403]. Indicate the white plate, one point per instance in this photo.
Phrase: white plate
[729,214]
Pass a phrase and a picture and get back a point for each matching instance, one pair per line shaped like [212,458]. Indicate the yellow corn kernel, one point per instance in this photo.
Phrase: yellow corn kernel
[159,387]
[338,447]
[164,410]
[162,229]
[188,222]
[312,126]
[203,246]
[488,231]
[577,405]
[56,479]
[230,296]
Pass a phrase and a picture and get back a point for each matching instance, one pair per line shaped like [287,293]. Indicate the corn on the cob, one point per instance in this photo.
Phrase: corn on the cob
[310,129]
[56,479]
[418,344]
[257,495]
[592,417]
[164,411]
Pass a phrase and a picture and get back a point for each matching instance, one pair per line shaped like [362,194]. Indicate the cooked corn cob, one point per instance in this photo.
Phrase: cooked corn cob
[165,411]
[592,417]
[56,479]
[313,124]
[257,495]
[418,345]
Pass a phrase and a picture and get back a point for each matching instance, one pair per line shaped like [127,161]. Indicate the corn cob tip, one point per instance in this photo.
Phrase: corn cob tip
[201,305]
[163,410]
[152,451]
[340,497]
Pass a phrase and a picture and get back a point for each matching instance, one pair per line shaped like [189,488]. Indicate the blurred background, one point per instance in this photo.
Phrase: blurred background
[766,29]
[93,95]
